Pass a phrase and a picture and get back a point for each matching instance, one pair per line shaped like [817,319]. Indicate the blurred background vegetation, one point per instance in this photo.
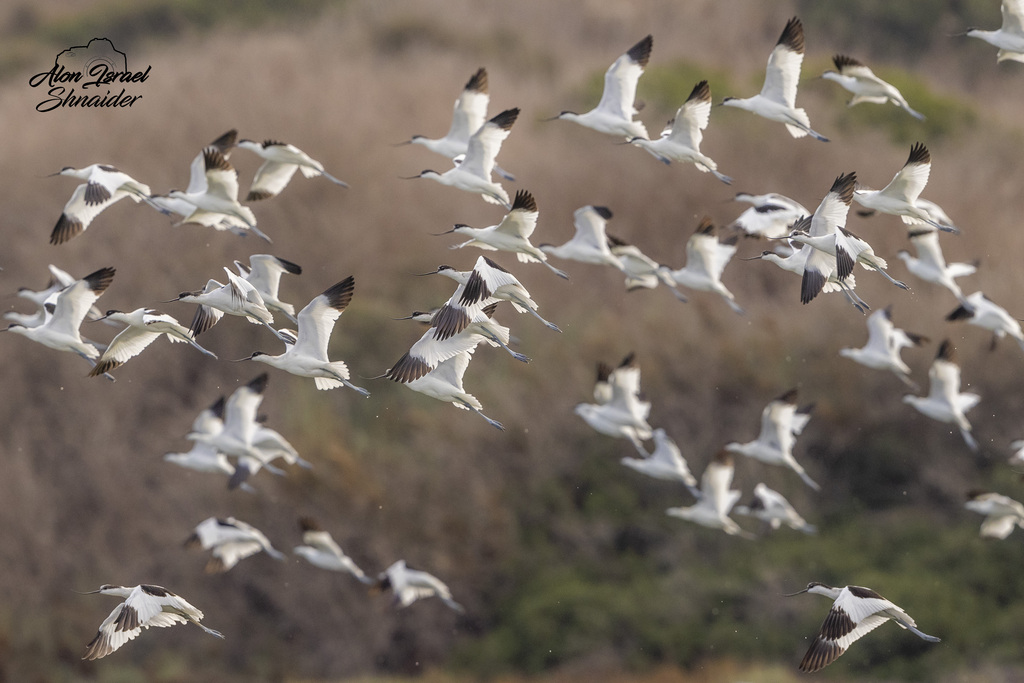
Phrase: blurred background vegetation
[565,560]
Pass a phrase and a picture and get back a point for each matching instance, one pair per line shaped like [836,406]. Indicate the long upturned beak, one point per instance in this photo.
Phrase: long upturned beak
[789,595]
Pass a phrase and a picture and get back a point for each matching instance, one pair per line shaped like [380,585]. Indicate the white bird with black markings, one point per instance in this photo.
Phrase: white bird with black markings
[488,282]
[1009,38]
[307,357]
[899,197]
[469,113]
[781,422]
[827,234]
[865,85]
[706,259]
[321,550]
[144,326]
[666,462]
[930,265]
[104,186]
[59,279]
[66,310]
[410,585]
[512,234]
[885,342]
[443,382]
[944,401]
[589,244]
[144,606]
[980,311]
[716,499]
[231,541]
[771,507]
[264,273]
[614,113]
[473,172]
[214,194]
[642,272]
[856,611]
[238,297]
[771,215]
[244,437]
[680,141]
[197,184]
[620,412]
[796,263]
[203,457]
[1002,513]
[777,99]
[280,161]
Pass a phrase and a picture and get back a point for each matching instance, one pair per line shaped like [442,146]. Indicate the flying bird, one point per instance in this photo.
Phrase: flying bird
[1002,513]
[642,272]
[469,114]
[624,414]
[104,185]
[231,540]
[771,215]
[771,507]
[666,462]
[614,113]
[885,342]
[899,197]
[512,234]
[203,457]
[264,273]
[144,606]
[473,172]
[1010,36]
[307,357]
[855,612]
[280,161]
[980,311]
[944,401]
[144,326]
[214,195]
[66,310]
[930,265]
[238,297]
[777,99]
[706,259]
[410,585]
[865,85]
[781,422]
[716,499]
[443,382]
[680,141]
[589,244]
[321,550]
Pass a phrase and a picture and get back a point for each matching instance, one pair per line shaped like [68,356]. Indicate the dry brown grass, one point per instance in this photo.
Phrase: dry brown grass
[86,498]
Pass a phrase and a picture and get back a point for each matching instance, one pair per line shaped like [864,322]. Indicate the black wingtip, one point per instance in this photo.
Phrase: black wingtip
[524,201]
[706,226]
[919,154]
[339,296]
[844,185]
[478,81]
[793,35]
[700,93]
[505,119]
[641,52]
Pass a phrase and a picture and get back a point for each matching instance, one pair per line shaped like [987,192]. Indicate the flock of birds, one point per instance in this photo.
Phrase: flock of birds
[231,438]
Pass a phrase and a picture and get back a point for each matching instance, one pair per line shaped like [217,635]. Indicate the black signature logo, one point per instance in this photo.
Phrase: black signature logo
[79,73]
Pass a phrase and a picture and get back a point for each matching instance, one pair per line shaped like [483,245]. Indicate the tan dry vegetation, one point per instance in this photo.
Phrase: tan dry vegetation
[87,499]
